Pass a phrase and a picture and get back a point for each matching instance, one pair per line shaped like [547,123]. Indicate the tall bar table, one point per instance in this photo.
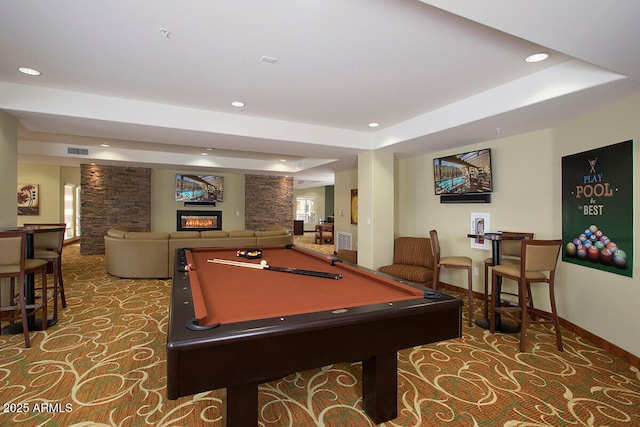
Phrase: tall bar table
[496,240]
[30,294]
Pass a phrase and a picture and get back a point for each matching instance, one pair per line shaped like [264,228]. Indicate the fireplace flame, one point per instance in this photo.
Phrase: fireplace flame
[198,222]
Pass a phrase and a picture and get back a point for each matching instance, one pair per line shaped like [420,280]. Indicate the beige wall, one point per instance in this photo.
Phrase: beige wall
[600,302]
[527,197]
[47,177]
[8,167]
[344,183]
[51,180]
[164,206]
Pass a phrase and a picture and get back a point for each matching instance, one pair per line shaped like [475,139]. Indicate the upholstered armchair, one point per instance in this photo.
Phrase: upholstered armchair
[412,261]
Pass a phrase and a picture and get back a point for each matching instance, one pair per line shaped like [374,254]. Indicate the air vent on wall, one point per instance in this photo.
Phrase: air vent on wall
[80,151]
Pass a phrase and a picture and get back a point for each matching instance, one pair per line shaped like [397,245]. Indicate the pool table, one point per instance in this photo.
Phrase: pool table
[235,327]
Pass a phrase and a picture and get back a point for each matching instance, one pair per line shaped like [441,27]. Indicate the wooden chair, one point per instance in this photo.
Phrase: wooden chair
[48,246]
[538,265]
[13,265]
[459,262]
[324,234]
[509,254]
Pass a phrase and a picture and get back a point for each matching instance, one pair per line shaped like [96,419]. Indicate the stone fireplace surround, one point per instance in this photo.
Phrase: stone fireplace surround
[116,195]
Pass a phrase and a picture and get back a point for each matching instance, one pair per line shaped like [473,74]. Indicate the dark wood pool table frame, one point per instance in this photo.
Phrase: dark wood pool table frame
[239,356]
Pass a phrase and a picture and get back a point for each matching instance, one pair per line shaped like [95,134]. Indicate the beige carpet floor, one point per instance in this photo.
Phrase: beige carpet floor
[104,364]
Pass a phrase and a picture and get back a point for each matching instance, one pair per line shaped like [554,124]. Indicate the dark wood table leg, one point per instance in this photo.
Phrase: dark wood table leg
[380,387]
[29,291]
[495,259]
[241,407]
[501,326]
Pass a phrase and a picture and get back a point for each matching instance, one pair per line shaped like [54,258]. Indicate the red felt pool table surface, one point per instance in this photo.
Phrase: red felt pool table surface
[228,293]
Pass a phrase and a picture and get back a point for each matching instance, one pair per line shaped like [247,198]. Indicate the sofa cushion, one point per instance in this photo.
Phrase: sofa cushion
[143,235]
[184,235]
[413,273]
[242,233]
[117,232]
[214,234]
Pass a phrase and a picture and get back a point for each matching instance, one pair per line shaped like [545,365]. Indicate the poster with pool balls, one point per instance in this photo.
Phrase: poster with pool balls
[597,208]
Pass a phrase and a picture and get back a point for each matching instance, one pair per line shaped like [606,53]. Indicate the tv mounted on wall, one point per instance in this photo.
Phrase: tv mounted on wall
[466,173]
[199,188]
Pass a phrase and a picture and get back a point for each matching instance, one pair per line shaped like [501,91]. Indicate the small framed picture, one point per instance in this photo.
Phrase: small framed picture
[480,224]
[28,199]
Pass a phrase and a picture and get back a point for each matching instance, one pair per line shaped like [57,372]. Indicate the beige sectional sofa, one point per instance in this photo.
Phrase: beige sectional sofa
[137,255]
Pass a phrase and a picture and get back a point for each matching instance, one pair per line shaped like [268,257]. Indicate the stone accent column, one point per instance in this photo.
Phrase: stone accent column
[268,200]
[110,196]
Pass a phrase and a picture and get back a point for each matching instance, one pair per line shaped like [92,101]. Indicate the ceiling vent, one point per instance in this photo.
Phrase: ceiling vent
[78,151]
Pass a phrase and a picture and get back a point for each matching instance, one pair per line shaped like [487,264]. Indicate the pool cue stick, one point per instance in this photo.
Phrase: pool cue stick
[280,269]
[237,263]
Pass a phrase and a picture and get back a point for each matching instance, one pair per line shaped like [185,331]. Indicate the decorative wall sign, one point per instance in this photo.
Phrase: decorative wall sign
[597,208]
[28,199]
[480,224]
[354,206]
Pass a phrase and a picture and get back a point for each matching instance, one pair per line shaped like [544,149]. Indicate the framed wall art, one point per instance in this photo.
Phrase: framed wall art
[28,199]
[597,208]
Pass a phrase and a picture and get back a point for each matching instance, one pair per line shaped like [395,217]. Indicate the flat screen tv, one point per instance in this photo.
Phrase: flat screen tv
[199,188]
[464,173]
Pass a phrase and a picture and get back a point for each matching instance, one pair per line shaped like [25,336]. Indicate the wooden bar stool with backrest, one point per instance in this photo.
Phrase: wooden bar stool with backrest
[509,254]
[459,262]
[538,265]
[48,246]
[13,265]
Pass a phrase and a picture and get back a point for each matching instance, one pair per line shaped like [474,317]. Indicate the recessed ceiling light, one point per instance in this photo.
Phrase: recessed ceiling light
[283,160]
[105,145]
[537,57]
[374,125]
[204,154]
[237,104]
[29,71]
[269,59]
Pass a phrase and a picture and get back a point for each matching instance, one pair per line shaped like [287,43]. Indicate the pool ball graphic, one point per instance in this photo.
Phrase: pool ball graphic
[595,246]
[593,253]
[620,258]
[606,257]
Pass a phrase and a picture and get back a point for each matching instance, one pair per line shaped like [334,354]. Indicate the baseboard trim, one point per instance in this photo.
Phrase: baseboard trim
[610,348]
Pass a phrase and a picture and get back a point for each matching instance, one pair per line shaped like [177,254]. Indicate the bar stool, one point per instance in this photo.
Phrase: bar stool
[459,262]
[13,265]
[539,261]
[509,254]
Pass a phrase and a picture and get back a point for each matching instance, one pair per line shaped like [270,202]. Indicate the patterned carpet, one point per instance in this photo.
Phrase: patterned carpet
[103,364]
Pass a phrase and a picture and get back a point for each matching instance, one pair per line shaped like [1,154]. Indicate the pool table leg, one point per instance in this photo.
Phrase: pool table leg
[380,387]
[241,407]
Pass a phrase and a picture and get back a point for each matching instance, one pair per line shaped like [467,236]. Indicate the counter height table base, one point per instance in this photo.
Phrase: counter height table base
[29,295]
[235,328]
[496,239]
